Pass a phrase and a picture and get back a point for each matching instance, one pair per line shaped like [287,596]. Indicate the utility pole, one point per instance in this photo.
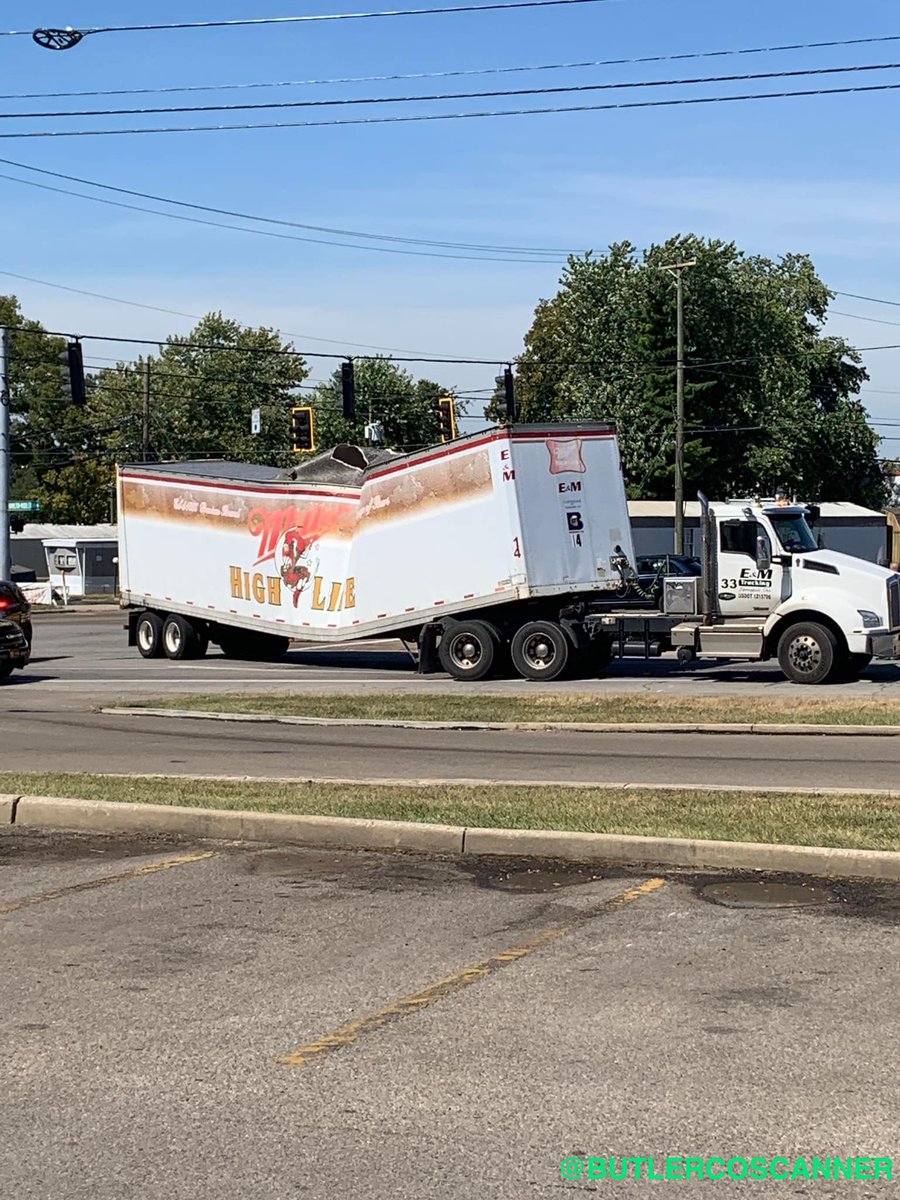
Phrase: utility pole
[5,457]
[145,423]
[678,269]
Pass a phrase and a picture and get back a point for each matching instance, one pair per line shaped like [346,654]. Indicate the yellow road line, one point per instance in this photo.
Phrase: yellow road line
[103,880]
[351,1032]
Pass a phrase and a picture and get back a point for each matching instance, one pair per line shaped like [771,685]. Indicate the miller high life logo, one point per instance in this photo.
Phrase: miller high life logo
[288,537]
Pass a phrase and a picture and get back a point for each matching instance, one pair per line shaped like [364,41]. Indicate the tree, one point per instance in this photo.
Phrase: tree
[39,416]
[405,407]
[769,398]
[204,387]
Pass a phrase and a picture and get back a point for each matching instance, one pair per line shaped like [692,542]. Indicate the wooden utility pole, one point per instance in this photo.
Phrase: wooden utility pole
[678,269]
[145,422]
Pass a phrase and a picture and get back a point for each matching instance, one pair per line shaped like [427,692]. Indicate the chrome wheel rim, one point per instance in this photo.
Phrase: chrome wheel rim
[805,655]
[539,652]
[466,651]
[145,636]
[173,638]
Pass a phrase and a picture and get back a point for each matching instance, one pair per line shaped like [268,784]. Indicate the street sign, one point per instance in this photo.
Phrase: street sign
[65,561]
[255,421]
[25,506]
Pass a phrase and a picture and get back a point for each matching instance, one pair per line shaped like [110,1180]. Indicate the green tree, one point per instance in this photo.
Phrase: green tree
[405,407]
[770,399]
[204,387]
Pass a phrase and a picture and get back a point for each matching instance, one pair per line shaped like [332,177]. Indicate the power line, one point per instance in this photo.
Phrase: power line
[309,337]
[290,237]
[602,62]
[76,35]
[858,317]
[459,116]
[242,216]
[433,96]
[870,299]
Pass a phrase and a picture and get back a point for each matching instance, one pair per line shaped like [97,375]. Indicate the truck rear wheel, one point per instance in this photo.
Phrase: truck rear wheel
[148,635]
[468,649]
[807,652]
[540,650]
[180,639]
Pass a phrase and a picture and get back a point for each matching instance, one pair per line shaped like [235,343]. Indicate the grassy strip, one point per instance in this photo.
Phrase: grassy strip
[481,706]
[859,821]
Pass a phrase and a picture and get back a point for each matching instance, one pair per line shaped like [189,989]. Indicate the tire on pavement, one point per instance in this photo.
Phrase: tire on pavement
[180,638]
[469,649]
[541,650]
[808,653]
[148,634]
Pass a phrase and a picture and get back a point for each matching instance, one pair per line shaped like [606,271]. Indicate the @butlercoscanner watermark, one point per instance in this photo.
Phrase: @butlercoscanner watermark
[672,1168]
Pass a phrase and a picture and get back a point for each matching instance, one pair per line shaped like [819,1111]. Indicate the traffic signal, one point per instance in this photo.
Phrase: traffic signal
[73,374]
[506,389]
[348,390]
[447,418]
[303,429]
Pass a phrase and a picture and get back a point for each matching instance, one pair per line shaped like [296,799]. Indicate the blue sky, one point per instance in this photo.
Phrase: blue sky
[811,174]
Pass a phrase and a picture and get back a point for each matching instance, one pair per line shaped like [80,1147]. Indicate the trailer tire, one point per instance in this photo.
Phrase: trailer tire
[180,639]
[148,634]
[541,650]
[808,652]
[468,649]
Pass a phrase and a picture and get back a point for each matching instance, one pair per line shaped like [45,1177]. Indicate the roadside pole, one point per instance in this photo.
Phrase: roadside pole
[145,415]
[678,269]
[5,457]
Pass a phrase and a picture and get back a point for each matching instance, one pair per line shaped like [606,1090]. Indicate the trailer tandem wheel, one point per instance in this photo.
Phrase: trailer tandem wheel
[148,634]
[469,649]
[182,639]
[541,650]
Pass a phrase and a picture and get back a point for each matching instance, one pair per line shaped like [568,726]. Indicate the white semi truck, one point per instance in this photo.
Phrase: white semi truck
[507,547]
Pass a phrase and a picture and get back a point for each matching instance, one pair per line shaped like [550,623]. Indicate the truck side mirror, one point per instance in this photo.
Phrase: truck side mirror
[763,561]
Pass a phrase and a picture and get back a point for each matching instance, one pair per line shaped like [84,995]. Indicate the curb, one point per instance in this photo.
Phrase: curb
[47,812]
[517,726]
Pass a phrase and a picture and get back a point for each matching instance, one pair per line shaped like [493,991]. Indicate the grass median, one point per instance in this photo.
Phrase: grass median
[856,821]
[546,706]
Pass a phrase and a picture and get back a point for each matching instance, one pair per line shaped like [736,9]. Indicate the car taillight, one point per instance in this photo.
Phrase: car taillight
[5,603]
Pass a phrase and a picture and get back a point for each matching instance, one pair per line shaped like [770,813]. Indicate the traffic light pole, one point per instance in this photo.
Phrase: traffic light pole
[5,457]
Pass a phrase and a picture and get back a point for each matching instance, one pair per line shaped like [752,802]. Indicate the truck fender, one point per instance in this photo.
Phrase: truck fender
[823,606]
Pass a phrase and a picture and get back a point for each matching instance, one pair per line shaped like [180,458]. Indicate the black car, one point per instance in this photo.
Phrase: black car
[14,649]
[14,606]
[651,571]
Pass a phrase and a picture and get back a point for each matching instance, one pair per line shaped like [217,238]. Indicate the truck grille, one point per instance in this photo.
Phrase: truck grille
[893,588]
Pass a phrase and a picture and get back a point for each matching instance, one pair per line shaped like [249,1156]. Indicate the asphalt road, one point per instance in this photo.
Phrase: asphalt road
[50,722]
[209,1022]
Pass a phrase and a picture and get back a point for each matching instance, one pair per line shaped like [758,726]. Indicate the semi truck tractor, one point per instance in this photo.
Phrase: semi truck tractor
[504,550]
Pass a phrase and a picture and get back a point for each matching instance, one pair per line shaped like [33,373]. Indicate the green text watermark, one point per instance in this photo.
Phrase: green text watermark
[679,1167]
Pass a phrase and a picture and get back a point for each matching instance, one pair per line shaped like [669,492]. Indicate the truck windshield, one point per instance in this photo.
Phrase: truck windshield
[793,533]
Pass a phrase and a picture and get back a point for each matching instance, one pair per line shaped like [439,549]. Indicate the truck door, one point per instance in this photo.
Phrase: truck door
[747,585]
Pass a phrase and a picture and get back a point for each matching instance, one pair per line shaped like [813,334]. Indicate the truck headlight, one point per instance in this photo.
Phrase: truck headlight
[869,619]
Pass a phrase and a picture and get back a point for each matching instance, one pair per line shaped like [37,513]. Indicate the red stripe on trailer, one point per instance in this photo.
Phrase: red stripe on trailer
[259,489]
[436,602]
[469,596]
[380,615]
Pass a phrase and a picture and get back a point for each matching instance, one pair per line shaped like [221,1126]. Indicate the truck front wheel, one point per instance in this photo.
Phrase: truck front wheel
[468,649]
[807,652]
[541,650]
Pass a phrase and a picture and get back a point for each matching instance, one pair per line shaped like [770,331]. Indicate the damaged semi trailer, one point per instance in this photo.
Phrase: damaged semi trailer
[507,548]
